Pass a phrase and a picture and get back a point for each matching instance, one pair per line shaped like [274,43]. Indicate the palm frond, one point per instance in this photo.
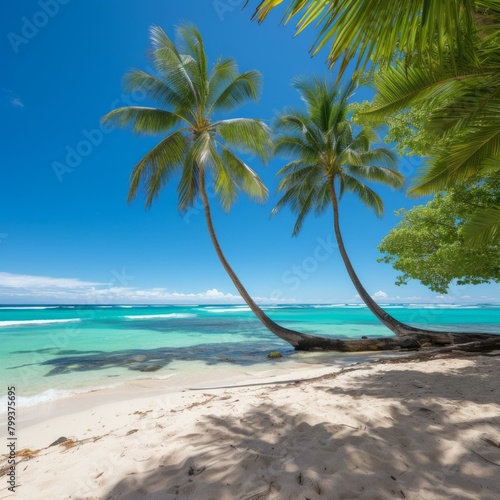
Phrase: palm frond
[308,202]
[478,104]
[383,175]
[477,150]
[323,199]
[245,86]
[300,124]
[365,194]
[222,73]
[381,30]
[191,42]
[293,173]
[188,187]
[398,87]
[294,146]
[246,179]
[178,69]
[144,120]
[200,150]
[158,166]
[483,228]
[156,88]
[311,91]
[224,183]
[246,135]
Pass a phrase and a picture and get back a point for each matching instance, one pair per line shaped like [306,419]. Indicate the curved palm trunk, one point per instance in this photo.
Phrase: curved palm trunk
[296,339]
[392,323]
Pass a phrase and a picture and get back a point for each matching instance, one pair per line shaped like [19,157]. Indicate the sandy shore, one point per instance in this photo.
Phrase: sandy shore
[418,430]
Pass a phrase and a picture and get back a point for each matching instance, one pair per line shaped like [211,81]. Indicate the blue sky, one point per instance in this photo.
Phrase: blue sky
[67,233]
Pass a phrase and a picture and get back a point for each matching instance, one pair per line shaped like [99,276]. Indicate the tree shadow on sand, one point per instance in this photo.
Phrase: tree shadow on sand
[417,447]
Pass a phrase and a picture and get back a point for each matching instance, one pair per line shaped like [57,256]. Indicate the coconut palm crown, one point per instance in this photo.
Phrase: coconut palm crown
[189,93]
[329,159]
[329,156]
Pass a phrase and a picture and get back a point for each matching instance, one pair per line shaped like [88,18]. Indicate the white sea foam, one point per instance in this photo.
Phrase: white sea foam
[227,309]
[42,397]
[37,322]
[327,306]
[171,315]
[28,307]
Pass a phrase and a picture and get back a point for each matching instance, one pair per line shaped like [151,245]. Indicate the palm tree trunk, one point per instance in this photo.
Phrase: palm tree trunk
[296,339]
[392,323]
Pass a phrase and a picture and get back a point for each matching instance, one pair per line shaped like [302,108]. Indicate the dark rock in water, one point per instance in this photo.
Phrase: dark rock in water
[61,440]
[274,355]
[153,368]
[364,337]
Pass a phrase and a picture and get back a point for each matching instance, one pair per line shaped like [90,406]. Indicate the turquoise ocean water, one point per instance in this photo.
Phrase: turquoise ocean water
[50,351]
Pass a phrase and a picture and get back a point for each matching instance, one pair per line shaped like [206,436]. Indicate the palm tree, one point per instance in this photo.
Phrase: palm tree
[198,147]
[329,160]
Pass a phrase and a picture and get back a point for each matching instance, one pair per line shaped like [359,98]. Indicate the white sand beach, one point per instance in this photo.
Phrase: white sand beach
[417,430]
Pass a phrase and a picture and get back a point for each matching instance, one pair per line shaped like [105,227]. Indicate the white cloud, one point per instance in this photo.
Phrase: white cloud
[35,282]
[16,102]
[23,288]
[26,289]
[11,98]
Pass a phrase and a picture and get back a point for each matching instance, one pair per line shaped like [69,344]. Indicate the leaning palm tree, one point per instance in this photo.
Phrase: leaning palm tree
[330,159]
[198,147]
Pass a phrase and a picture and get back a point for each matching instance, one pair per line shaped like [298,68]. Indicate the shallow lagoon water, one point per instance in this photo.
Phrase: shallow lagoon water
[50,351]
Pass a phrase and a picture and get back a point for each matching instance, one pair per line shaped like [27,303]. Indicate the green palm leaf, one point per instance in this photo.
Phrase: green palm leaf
[476,151]
[143,120]
[246,135]
[380,174]
[369,197]
[158,166]
[224,180]
[223,72]
[245,86]
[156,88]
[246,179]
[399,87]
[483,228]
[381,30]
